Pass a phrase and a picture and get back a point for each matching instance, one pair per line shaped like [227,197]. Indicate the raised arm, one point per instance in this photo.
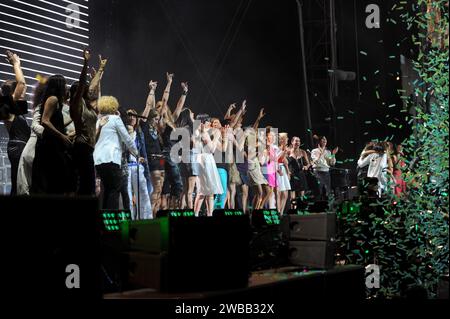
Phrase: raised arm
[151,102]
[240,113]
[21,88]
[364,161]
[181,101]
[76,106]
[166,94]
[230,109]
[258,119]
[94,87]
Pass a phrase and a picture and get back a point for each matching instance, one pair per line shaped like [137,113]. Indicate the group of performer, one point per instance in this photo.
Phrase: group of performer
[79,137]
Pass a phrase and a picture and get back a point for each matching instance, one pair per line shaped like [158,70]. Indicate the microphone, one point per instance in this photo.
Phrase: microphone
[131,114]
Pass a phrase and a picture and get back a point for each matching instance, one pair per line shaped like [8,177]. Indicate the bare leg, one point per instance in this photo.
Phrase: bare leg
[157,181]
[165,202]
[244,189]
[278,195]
[190,190]
[268,191]
[210,205]
[257,201]
[232,194]
[184,195]
[283,199]
[198,203]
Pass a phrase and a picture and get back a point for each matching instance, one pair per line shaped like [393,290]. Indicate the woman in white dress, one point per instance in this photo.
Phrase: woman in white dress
[25,169]
[283,173]
[209,183]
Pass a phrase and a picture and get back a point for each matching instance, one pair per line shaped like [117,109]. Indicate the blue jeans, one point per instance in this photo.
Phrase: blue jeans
[219,202]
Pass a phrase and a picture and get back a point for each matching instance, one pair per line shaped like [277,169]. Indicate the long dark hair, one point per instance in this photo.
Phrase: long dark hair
[56,86]
[185,120]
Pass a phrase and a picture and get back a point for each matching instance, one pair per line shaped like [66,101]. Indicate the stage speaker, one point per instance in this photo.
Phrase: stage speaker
[320,226]
[314,254]
[51,247]
[150,236]
[147,270]
[203,253]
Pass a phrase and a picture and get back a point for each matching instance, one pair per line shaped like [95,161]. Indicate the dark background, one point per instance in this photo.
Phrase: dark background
[233,50]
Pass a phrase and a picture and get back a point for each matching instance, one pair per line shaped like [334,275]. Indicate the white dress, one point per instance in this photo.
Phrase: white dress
[24,172]
[283,183]
[209,182]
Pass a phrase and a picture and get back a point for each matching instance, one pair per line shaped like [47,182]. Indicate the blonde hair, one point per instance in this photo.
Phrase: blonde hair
[283,136]
[108,105]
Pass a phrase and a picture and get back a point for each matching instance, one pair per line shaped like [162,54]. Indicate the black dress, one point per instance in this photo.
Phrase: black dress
[298,179]
[19,133]
[52,165]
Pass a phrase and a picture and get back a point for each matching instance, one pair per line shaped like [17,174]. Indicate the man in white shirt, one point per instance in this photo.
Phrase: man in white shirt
[322,160]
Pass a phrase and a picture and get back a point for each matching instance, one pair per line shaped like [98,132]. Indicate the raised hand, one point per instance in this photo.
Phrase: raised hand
[170,77]
[102,62]
[185,87]
[231,107]
[153,85]
[244,105]
[12,58]
[261,113]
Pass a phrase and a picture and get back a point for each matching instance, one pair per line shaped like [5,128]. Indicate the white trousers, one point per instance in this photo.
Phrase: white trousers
[145,206]
[24,172]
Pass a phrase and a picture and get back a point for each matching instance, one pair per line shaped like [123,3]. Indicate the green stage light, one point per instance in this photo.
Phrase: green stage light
[265,217]
[182,213]
[112,219]
[228,212]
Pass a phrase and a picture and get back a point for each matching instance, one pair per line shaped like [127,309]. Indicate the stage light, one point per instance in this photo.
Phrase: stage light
[181,213]
[265,217]
[228,212]
[112,219]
